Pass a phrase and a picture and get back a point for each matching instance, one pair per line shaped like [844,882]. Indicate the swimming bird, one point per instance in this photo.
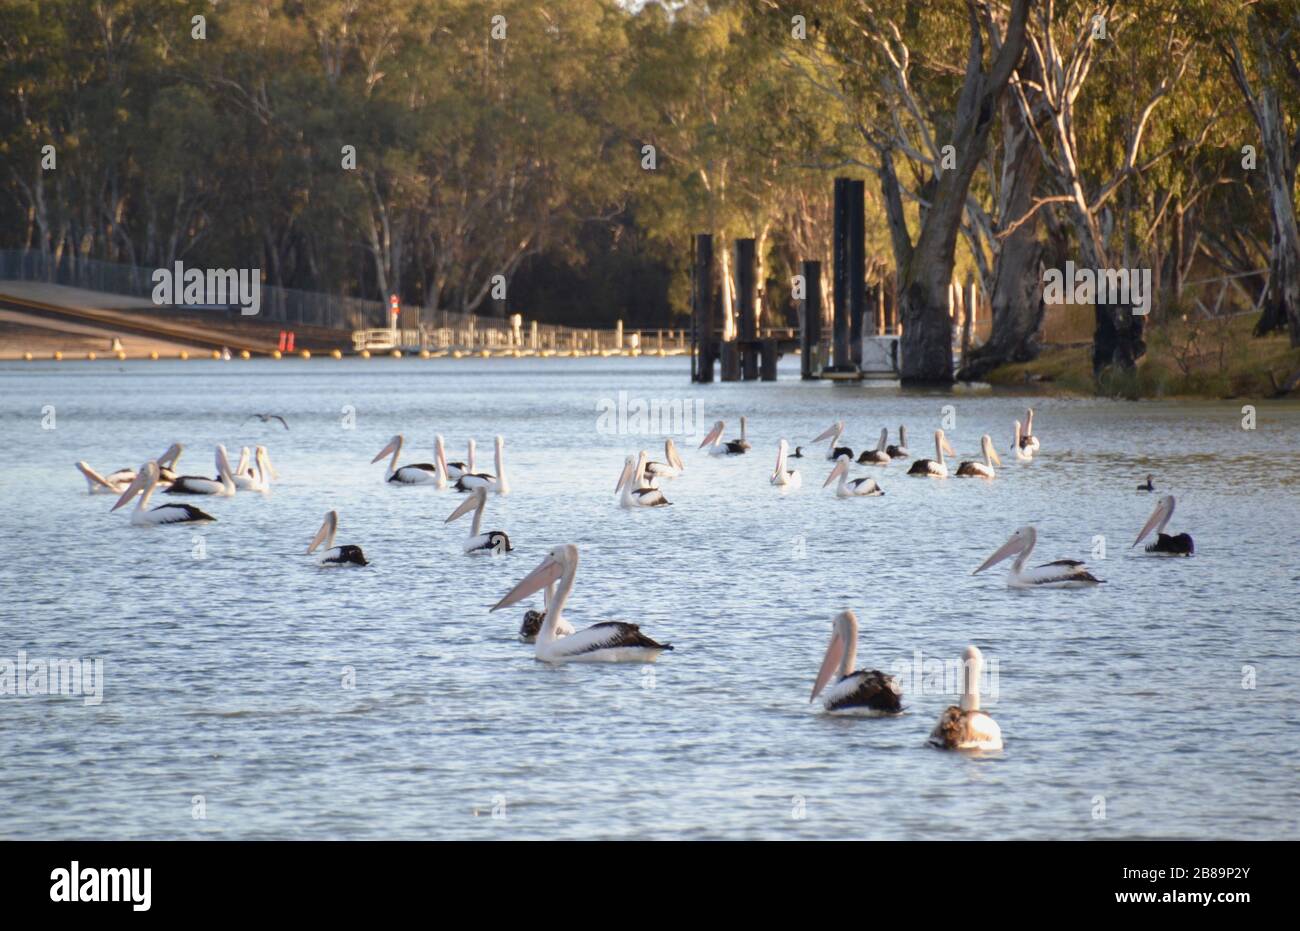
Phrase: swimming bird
[833,433]
[1064,573]
[143,485]
[671,467]
[456,469]
[1029,441]
[713,440]
[249,478]
[497,484]
[965,726]
[1023,453]
[222,486]
[1149,486]
[741,446]
[936,467]
[631,482]
[781,476]
[1166,544]
[266,418]
[479,543]
[419,473]
[855,488]
[607,642]
[533,619]
[335,556]
[865,691]
[798,453]
[899,451]
[115,482]
[981,469]
[876,456]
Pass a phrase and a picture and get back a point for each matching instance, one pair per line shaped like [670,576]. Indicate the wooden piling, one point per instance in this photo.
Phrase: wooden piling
[840,357]
[810,320]
[702,339]
[745,288]
[857,270]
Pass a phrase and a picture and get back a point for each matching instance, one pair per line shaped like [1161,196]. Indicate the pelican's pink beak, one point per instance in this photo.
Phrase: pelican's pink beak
[1010,548]
[142,478]
[841,466]
[833,430]
[712,436]
[674,460]
[386,451]
[834,656]
[625,476]
[549,571]
[1160,513]
[473,500]
[327,530]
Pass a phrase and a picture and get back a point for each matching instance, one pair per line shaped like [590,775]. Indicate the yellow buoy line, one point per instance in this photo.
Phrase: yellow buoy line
[216,354]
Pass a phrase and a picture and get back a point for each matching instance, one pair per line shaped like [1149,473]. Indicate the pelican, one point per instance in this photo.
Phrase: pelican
[420,473]
[738,447]
[1064,573]
[532,624]
[335,555]
[1023,453]
[247,478]
[936,467]
[833,433]
[494,483]
[479,543]
[864,692]
[223,485]
[1029,441]
[1149,486]
[143,485]
[981,469]
[899,451]
[440,471]
[634,493]
[858,487]
[606,642]
[1166,544]
[781,476]
[456,469]
[964,726]
[672,465]
[116,482]
[876,456]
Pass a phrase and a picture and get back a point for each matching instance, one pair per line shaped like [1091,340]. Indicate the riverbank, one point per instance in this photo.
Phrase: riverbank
[1184,359]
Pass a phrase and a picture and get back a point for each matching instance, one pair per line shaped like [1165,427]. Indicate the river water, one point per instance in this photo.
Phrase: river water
[249,694]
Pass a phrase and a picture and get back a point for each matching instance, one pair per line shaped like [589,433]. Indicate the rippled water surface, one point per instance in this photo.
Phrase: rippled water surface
[225,675]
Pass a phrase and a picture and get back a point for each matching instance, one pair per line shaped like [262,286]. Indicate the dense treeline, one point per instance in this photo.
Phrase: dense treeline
[571,147]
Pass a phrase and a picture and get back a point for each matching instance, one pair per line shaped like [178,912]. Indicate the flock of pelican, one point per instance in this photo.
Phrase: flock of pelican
[963,726]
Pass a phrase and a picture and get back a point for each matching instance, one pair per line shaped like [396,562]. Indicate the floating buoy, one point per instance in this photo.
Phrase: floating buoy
[336,354]
[216,353]
[486,354]
[245,354]
[424,353]
[90,356]
[276,354]
[365,353]
[306,353]
[184,355]
[58,356]
[121,355]
[456,354]
[396,353]
[153,354]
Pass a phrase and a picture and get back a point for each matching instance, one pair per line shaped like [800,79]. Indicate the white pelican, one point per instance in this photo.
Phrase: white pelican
[981,469]
[420,473]
[440,471]
[672,465]
[1150,485]
[247,478]
[479,543]
[741,446]
[899,451]
[964,726]
[456,469]
[713,439]
[1023,453]
[1166,544]
[494,483]
[1029,441]
[335,555]
[781,476]
[936,467]
[533,619]
[634,494]
[1064,573]
[222,486]
[143,485]
[833,433]
[115,482]
[876,456]
[864,692]
[607,642]
[858,487]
